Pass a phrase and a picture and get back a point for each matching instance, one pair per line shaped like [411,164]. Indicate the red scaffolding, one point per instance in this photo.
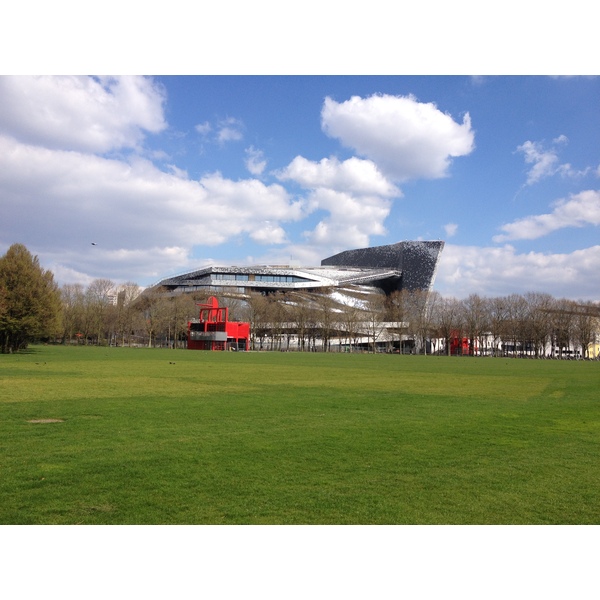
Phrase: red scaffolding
[214,331]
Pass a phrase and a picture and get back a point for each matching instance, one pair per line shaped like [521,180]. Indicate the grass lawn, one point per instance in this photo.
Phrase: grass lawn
[188,437]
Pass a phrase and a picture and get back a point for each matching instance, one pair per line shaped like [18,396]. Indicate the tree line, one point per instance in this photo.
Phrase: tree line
[34,307]
[123,315]
[532,324]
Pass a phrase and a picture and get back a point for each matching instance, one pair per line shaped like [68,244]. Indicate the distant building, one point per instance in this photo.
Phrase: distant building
[401,266]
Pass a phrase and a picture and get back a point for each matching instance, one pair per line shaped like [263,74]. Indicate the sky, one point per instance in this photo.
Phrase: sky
[166,174]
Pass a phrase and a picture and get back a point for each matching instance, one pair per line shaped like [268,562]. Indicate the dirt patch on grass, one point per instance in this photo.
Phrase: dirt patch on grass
[46,421]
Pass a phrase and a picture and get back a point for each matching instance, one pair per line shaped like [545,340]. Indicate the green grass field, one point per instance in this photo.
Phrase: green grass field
[183,437]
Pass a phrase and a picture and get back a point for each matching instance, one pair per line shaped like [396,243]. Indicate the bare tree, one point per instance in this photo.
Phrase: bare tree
[447,320]
[375,318]
[516,323]
[236,307]
[585,326]
[127,294]
[99,310]
[498,318]
[562,326]
[420,315]
[182,308]
[538,321]
[327,318]
[396,313]
[350,323]
[73,300]
[276,318]
[153,314]
[312,326]
[298,313]
[258,316]
[475,322]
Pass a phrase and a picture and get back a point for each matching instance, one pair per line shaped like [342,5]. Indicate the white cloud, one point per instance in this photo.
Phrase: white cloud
[203,128]
[255,161]
[153,262]
[351,220]
[354,175]
[451,229]
[63,274]
[365,212]
[579,210]
[292,254]
[225,130]
[180,173]
[464,270]
[129,207]
[269,233]
[407,139]
[81,113]
[330,234]
[546,162]
[354,193]
[230,130]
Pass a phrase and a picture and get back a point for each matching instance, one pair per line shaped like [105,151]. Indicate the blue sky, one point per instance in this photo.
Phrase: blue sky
[166,174]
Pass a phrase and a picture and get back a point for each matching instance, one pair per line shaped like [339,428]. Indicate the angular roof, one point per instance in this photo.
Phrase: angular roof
[405,265]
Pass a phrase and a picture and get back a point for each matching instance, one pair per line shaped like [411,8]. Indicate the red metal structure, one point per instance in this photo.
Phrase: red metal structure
[461,346]
[214,331]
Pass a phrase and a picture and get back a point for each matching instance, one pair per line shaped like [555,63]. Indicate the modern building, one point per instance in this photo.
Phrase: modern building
[401,266]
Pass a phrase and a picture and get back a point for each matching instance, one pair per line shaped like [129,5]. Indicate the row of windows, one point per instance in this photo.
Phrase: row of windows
[211,288]
[220,288]
[229,276]
[279,278]
[268,278]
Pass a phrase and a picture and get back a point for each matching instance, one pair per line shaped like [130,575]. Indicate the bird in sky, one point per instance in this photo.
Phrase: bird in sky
[94,244]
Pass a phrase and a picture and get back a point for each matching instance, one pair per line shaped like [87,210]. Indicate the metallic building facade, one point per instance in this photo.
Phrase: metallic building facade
[401,266]
[415,261]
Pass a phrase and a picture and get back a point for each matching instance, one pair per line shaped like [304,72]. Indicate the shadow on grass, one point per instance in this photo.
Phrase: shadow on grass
[23,352]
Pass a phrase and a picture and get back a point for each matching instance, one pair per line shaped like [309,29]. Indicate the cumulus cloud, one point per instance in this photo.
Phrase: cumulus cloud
[153,262]
[399,139]
[500,271]
[577,211]
[269,233]
[89,114]
[407,139]
[351,220]
[255,161]
[292,254]
[129,205]
[354,193]
[354,175]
